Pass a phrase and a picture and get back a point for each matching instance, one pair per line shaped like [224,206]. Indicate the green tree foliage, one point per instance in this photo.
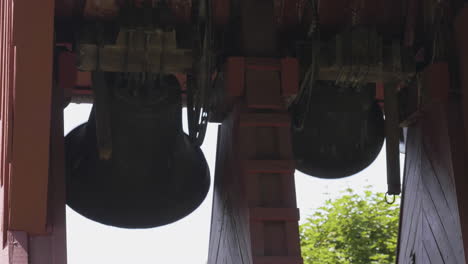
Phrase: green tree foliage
[352,229]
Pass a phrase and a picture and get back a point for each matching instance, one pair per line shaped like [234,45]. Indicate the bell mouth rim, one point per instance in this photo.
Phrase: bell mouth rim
[152,220]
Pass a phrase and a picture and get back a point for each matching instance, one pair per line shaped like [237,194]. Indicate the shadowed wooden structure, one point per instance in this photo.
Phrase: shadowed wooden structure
[255,216]
[430,224]
[433,220]
[254,209]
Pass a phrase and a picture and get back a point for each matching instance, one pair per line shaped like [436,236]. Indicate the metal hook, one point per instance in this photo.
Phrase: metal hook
[393,200]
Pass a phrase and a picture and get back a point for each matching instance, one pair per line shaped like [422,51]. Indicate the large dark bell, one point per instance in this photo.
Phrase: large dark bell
[339,138]
[155,176]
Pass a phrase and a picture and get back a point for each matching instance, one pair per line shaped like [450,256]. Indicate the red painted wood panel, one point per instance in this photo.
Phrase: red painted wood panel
[52,248]
[32,189]
[33,45]
[21,247]
[6,81]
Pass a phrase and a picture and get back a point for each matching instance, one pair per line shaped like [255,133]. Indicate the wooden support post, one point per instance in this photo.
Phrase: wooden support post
[430,229]
[32,189]
[21,247]
[52,247]
[32,42]
[255,219]
[461,156]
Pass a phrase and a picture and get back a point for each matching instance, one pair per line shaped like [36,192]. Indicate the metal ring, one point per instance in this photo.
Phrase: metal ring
[386,198]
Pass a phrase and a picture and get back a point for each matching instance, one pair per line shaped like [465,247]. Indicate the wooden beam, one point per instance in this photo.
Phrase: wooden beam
[461,40]
[33,45]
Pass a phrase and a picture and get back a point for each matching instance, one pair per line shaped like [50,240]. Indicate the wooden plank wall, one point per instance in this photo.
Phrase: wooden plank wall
[430,230]
[430,225]
[434,223]
[229,240]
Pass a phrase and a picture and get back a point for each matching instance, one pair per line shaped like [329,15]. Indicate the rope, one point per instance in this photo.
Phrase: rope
[306,88]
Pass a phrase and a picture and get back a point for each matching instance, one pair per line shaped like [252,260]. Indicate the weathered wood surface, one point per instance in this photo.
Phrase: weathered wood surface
[255,219]
[434,223]
[254,207]
[229,239]
[430,230]
[430,224]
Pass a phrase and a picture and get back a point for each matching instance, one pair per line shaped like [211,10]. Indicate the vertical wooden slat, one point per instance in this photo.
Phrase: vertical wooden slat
[7,71]
[52,248]
[33,41]
[26,57]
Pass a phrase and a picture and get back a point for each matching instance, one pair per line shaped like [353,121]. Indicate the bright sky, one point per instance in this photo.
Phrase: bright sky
[186,241]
